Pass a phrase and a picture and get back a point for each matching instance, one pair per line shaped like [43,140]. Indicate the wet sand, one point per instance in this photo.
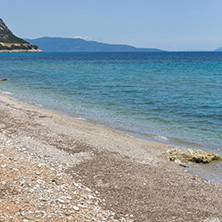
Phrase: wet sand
[133,176]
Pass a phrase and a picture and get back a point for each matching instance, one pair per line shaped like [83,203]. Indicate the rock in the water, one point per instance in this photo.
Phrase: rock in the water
[183,155]
[2,80]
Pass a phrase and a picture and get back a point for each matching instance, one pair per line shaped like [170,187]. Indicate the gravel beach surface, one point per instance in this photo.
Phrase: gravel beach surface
[31,191]
[56,168]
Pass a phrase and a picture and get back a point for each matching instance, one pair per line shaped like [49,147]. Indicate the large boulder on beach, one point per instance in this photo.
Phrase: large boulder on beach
[182,155]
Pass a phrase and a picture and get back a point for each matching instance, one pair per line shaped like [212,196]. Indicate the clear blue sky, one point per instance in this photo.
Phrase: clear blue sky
[166,24]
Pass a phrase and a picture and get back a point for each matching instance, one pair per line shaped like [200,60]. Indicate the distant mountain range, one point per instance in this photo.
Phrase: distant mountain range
[54,44]
[11,43]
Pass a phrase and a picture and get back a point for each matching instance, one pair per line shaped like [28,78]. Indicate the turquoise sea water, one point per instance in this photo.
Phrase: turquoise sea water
[169,97]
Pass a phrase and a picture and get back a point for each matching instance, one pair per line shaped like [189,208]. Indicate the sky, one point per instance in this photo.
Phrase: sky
[174,25]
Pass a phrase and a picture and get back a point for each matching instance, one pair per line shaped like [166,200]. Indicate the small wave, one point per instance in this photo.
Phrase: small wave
[80,118]
[37,104]
[161,138]
[7,93]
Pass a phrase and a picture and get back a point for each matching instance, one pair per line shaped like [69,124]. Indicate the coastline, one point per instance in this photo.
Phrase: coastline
[132,175]
[20,50]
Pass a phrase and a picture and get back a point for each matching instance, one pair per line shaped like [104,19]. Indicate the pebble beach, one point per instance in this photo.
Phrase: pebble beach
[31,191]
[56,168]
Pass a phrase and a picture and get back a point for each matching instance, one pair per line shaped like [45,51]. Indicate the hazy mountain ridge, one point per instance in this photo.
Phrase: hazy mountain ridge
[56,44]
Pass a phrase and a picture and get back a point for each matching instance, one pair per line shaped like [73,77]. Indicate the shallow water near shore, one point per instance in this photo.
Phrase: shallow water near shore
[211,171]
[172,98]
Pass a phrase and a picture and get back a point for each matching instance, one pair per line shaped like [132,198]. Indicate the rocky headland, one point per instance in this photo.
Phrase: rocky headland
[11,43]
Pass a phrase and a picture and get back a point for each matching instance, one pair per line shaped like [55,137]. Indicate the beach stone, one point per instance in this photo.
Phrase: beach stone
[76,208]
[182,155]
[61,201]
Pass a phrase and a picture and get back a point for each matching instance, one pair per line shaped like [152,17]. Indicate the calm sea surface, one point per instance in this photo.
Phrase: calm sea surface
[169,97]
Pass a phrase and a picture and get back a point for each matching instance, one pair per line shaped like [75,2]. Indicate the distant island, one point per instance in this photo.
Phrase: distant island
[11,43]
[56,44]
[219,49]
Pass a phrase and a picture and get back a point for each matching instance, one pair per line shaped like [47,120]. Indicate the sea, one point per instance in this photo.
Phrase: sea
[169,97]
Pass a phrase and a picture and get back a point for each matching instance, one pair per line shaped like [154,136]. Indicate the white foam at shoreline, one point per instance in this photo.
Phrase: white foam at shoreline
[7,93]
[161,138]
[80,118]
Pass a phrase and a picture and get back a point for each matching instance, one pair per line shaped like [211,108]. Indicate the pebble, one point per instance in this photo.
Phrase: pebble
[61,201]
[82,206]
[91,197]
[76,208]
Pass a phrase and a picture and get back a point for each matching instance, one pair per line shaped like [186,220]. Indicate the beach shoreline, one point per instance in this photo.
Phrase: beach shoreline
[132,175]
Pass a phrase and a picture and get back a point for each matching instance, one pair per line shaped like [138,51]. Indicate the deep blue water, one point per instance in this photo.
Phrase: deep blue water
[170,97]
